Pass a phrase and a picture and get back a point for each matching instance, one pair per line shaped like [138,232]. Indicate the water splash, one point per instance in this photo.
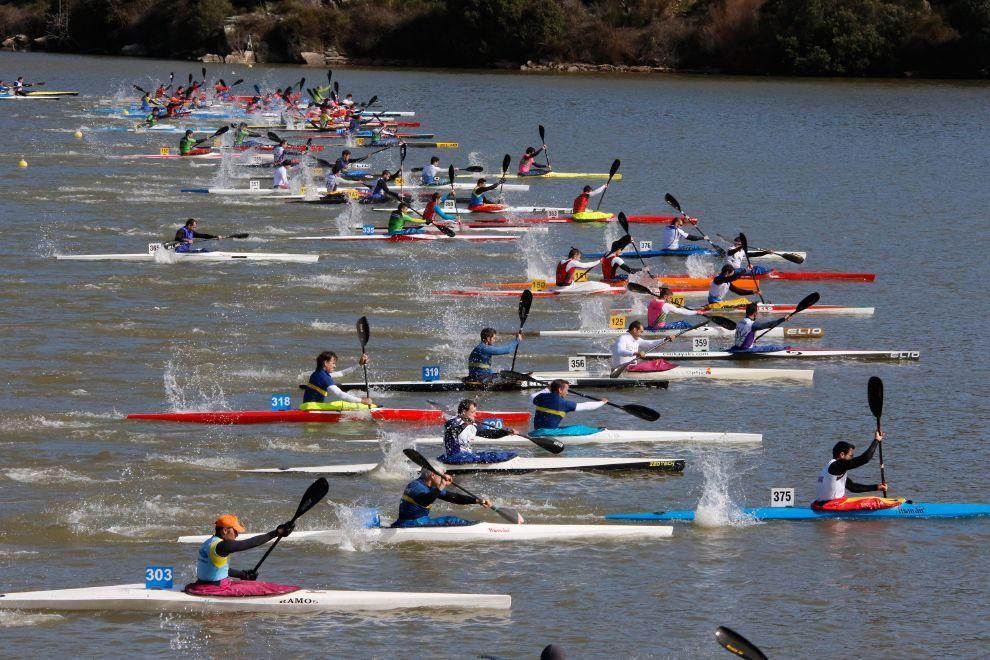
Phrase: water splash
[717,507]
[700,266]
[190,386]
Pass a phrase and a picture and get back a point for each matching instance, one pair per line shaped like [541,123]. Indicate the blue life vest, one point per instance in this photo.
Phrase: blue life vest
[409,508]
[550,410]
[211,567]
[187,234]
[315,391]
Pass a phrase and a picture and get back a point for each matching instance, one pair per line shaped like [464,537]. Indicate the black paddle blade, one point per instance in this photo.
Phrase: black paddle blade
[446,231]
[793,258]
[515,375]
[624,222]
[548,444]
[238,236]
[808,301]
[615,168]
[672,202]
[336,87]
[273,136]
[649,414]
[419,459]
[525,302]
[636,287]
[221,130]
[506,159]
[473,168]
[735,643]
[204,73]
[237,82]
[139,89]
[190,79]
[745,243]
[329,76]
[874,392]
[723,322]
[316,492]
[543,135]
[450,174]
[363,331]
[372,101]
[510,515]
[402,154]
[621,244]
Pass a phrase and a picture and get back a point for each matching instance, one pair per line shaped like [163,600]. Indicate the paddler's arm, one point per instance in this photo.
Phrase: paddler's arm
[839,466]
[196,234]
[854,487]
[504,349]
[631,271]
[484,189]
[227,548]
[598,191]
[739,291]
[584,264]
[457,498]
[590,405]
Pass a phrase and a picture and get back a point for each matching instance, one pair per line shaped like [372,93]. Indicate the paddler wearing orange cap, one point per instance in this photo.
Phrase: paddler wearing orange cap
[213,562]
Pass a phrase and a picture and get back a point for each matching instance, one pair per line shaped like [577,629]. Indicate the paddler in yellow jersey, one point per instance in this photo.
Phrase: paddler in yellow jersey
[321,385]
[213,570]
[833,481]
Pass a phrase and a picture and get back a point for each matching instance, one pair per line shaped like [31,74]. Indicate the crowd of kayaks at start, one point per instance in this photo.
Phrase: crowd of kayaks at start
[554,419]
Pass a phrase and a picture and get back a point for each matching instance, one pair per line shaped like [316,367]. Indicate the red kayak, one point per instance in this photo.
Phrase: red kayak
[546,219]
[414,415]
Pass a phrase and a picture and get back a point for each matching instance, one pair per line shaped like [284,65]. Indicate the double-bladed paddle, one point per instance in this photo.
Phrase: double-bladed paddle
[453,194]
[220,131]
[525,302]
[509,515]
[805,303]
[543,141]
[611,173]
[720,321]
[551,445]
[469,168]
[624,223]
[673,203]
[634,409]
[506,159]
[316,492]
[735,643]
[364,333]
[793,258]
[874,392]
[171,244]
[756,281]
[443,229]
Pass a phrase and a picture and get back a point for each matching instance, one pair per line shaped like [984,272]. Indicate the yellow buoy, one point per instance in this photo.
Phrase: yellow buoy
[22,162]
[77,135]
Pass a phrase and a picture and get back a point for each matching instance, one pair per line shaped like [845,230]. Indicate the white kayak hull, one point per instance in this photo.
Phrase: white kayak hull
[804,354]
[497,532]
[134,597]
[692,373]
[430,236]
[705,331]
[191,257]
[517,465]
[465,211]
[618,437]
[320,190]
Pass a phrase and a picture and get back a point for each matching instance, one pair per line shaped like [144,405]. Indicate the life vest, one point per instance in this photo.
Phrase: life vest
[430,211]
[656,317]
[316,389]
[830,487]
[581,203]
[453,443]
[746,335]
[717,292]
[610,267]
[479,362]
[565,274]
[551,408]
[409,508]
[211,567]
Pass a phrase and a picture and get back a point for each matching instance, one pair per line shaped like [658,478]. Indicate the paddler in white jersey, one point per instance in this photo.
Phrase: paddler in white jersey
[567,268]
[735,256]
[746,333]
[213,570]
[631,346]
[672,235]
[280,178]
[725,282]
[833,481]
[432,173]
[660,307]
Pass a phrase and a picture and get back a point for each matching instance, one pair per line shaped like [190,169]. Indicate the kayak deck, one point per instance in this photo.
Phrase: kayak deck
[809,353]
[192,257]
[906,510]
[461,385]
[318,416]
[616,436]
[134,597]
[517,465]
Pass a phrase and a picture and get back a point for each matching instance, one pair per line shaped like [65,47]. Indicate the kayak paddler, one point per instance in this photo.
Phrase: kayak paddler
[631,346]
[614,268]
[480,359]
[478,198]
[321,385]
[833,482]
[746,333]
[278,153]
[460,431]
[566,268]
[187,233]
[527,166]
[659,308]
[432,173]
[345,161]
[581,201]
[379,191]
[280,177]
[398,219]
[735,256]
[552,405]
[242,134]
[187,143]
[672,235]
[213,570]
[434,208]
[420,494]
[725,282]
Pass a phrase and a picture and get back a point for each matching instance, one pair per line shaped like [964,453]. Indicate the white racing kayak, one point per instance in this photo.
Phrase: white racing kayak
[690,373]
[712,331]
[403,238]
[169,257]
[263,191]
[613,437]
[465,211]
[134,597]
[517,465]
[810,353]
[482,531]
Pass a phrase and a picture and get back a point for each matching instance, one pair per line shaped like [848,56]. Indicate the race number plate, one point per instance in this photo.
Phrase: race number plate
[281,401]
[254,185]
[581,276]
[368,230]
[577,363]
[431,373]
[617,322]
[163,151]
[645,246]
[158,577]
[699,344]
[781,497]
[538,285]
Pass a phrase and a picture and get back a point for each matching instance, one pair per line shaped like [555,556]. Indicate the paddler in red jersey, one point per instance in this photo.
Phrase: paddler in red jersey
[160,92]
[527,166]
[581,201]
[614,268]
[833,481]
[434,209]
[222,90]
[567,268]
[213,572]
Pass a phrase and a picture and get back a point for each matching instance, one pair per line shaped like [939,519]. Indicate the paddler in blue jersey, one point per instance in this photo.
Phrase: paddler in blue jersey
[321,385]
[433,174]
[345,161]
[552,405]
[379,192]
[460,431]
[725,282]
[478,198]
[833,481]
[213,571]
[398,219]
[187,233]
[420,494]
[480,359]
[746,333]
[672,235]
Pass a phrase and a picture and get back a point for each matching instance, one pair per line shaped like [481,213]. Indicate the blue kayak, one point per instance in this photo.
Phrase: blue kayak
[906,510]
[686,251]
